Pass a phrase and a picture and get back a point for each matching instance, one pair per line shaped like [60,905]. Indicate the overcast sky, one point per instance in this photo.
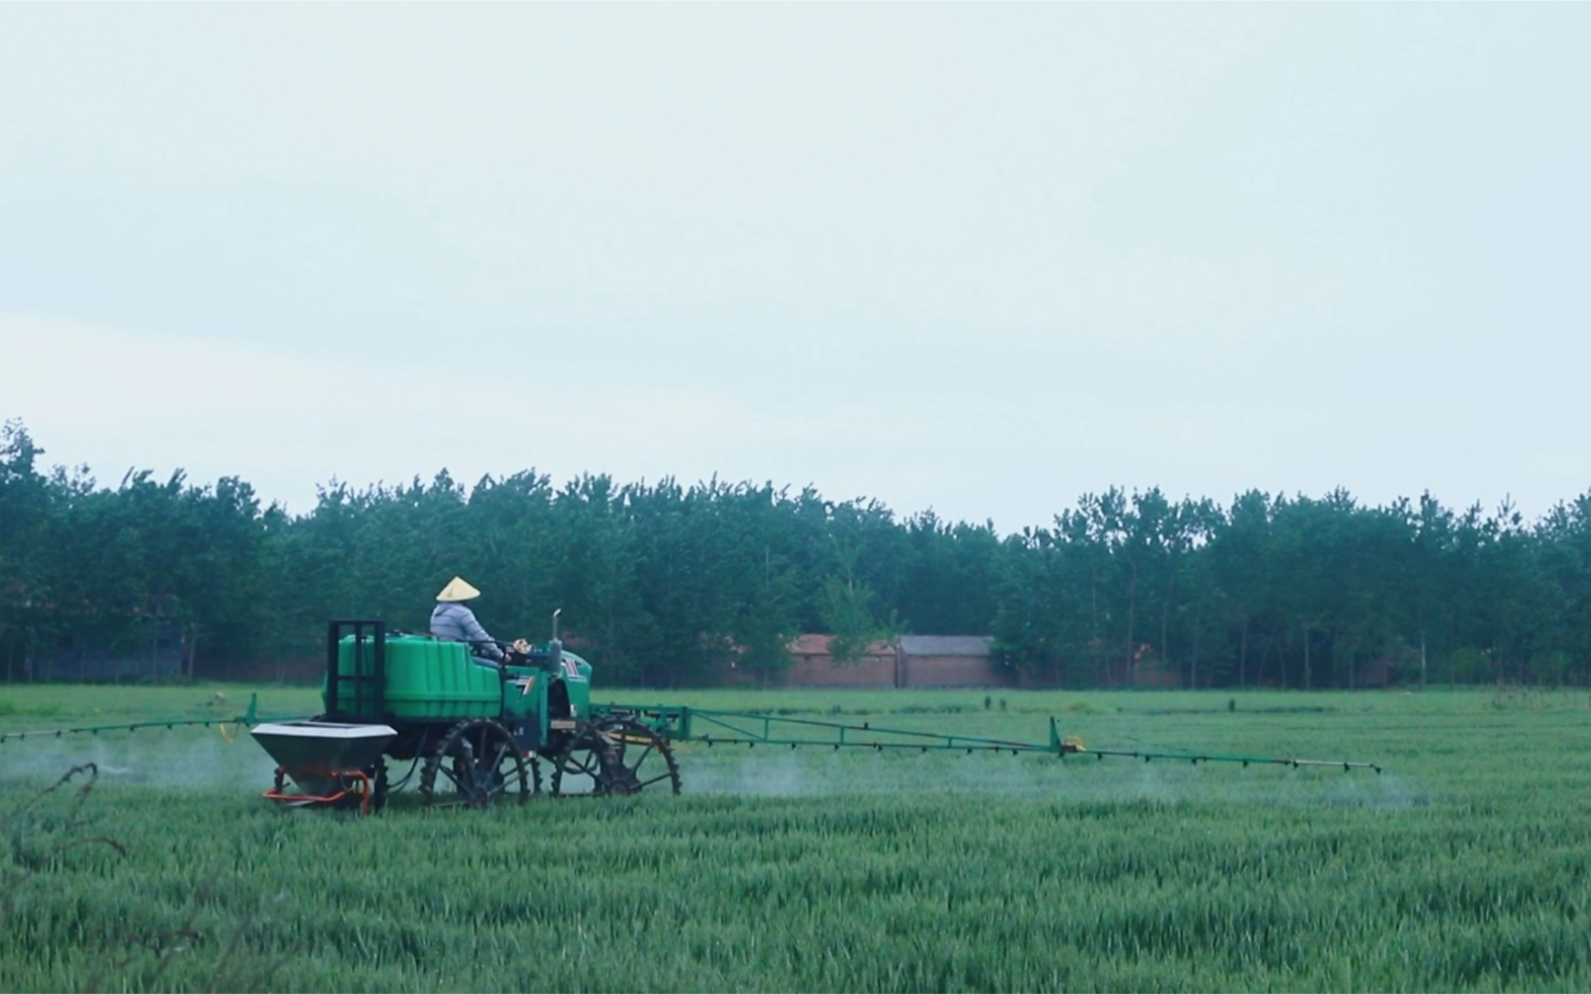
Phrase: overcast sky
[977,258]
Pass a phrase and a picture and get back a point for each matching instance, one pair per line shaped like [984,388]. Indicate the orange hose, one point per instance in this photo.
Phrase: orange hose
[365,793]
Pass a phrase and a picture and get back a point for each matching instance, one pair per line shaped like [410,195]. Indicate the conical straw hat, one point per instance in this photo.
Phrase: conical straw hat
[458,590]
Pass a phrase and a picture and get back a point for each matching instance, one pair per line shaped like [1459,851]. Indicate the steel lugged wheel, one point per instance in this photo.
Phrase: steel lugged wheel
[614,756]
[477,764]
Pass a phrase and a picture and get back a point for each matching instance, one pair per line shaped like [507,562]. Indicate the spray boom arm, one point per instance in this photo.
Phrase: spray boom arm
[751,729]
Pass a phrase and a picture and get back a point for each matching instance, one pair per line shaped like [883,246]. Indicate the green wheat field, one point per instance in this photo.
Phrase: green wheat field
[1464,866]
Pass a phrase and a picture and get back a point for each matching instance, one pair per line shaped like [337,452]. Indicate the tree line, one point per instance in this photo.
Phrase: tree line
[667,584]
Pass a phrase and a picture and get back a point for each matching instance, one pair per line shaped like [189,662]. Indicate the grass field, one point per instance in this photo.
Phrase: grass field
[1463,866]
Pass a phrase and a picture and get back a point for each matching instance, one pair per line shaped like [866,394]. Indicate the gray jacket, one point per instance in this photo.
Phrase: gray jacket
[455,622]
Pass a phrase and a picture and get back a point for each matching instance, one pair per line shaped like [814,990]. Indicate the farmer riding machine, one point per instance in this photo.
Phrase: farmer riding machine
[476,732]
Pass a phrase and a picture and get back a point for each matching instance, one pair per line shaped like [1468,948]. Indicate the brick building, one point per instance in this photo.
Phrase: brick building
[910,661]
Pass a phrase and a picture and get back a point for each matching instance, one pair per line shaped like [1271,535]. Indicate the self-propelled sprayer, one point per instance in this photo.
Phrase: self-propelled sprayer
[478,733]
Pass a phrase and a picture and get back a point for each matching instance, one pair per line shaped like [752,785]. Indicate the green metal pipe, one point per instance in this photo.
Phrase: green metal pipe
[685,725]
[250,718]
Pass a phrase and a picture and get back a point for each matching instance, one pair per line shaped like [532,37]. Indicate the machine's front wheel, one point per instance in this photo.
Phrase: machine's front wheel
[477,764]
[614,756]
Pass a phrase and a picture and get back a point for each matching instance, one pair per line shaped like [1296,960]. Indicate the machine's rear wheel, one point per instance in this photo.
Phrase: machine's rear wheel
[614,756]
[477,764]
